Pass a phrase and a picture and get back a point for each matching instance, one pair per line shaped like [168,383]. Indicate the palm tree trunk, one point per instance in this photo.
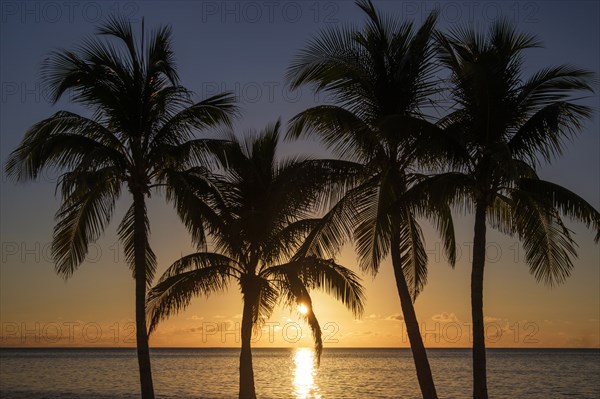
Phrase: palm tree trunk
[247,390]
[479,366]
[412,326]
[140,242]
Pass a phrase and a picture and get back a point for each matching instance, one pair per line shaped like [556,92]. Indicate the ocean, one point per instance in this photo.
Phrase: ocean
[293,373]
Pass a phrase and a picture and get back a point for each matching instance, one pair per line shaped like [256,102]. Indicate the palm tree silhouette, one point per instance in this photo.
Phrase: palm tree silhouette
[259,215]
[139,135]
[381,76]
[503,126]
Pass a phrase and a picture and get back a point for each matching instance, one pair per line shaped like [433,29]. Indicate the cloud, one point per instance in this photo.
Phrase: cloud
[210,327]
[374,316]
[445,317]
[395,317]
[195,317]
[359,333]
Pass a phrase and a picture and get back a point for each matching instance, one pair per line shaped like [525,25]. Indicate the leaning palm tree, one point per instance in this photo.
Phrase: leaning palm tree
[259,214]
[139,135]
[503,125]
[381,76]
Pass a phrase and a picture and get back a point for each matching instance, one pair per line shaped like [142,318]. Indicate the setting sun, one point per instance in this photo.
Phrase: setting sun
[302,309]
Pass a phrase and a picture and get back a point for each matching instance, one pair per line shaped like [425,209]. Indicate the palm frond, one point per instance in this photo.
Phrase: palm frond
[324,275]
[500,214]
[554,84]
[210,113]
[339,129]
[547,130]
[441,215]
[82,217]
[325,60]
[175,291]
[296,293]
[372,233]
[120,28]
[95,74]
[413,256]
[268,297]
[160,58]
[548,245]
[326,235]
[200,260]
[565,201]
[64,141]
[194,195]
[301,188]
[315,328]
[127,235]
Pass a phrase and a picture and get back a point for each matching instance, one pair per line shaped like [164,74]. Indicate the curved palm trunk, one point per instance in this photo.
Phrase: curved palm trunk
[412,326]
[140,242]
[247,390]
[479,362]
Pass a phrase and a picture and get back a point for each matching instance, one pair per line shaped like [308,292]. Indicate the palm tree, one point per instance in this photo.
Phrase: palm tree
[502,126]
[139,135]
[259,215]
[381,76]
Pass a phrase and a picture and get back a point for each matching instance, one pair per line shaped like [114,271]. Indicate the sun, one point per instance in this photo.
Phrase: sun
[302,309]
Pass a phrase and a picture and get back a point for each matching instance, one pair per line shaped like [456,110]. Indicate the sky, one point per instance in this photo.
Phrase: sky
[246,47]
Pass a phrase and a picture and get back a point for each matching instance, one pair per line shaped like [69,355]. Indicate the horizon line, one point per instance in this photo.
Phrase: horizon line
[286,347]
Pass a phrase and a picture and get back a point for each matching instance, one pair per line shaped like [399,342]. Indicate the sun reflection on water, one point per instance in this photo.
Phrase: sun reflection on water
[304,374]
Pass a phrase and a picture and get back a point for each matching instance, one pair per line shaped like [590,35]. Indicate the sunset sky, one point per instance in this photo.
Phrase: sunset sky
[246,47]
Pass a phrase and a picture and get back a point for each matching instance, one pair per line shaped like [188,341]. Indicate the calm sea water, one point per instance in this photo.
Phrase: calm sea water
[292,373]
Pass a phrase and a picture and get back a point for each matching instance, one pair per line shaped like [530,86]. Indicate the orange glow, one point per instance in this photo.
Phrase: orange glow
[302,309]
